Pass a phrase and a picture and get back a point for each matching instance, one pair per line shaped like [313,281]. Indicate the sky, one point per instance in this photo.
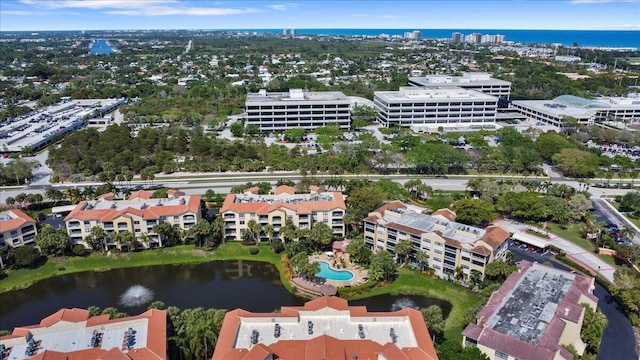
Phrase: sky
[320,14]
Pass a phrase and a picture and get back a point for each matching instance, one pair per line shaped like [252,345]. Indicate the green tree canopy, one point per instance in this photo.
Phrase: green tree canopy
[382,267]
[474,212]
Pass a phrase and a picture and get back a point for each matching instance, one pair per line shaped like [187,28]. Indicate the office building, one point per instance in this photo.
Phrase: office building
[325,328]
[427,109]
[16,229]
[536,313]
[584,111]
[304,210]
[450,245]
[298,109]
[71,334]
[479,81]
[138,215]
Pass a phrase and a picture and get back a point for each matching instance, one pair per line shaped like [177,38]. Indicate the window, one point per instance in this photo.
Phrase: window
[500,355]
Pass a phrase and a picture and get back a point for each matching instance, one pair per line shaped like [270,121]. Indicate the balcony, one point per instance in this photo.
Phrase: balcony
[74,224]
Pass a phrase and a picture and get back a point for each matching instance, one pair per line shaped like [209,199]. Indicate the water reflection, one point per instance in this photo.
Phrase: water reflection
[254,286]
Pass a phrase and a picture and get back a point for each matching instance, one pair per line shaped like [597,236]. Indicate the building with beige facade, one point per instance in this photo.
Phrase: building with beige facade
[325,328]
[138,214]
[304,210]
[448,244]
[535,313]
[16,229]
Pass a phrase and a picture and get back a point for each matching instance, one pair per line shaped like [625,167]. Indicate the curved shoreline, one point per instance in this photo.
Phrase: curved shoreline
[408,282]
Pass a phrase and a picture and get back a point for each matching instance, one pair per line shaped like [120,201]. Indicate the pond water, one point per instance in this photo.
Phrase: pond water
[253,286]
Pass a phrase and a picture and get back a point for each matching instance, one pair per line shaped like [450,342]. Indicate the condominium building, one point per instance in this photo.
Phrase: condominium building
[536,313]
[72,334]
[304,210]
[448,244]
[16,229]
[427,109]
[478,81]
[138,215]
[298,109]
[584,111]
[324,328]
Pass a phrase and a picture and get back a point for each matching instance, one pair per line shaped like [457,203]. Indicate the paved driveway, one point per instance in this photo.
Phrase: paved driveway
[584,257]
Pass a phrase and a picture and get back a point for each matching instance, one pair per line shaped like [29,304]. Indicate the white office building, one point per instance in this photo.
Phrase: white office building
[478,81]
[298,109]
[429,109]
[585,111]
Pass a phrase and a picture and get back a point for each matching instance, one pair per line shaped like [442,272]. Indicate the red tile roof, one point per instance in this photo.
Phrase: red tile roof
[547,347]
[142,194]
[324,346]
[284,189]
[156,348]
[445,213]
[151,212]
[18,219]
[264,208]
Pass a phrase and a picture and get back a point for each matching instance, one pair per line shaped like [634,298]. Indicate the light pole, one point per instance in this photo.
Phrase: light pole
[598,271]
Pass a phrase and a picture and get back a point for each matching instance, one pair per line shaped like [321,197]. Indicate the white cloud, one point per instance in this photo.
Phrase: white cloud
[279,7]
[17,12]
[139,7]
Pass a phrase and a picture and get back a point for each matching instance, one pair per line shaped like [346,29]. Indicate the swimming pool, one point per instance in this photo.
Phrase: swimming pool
[331,274]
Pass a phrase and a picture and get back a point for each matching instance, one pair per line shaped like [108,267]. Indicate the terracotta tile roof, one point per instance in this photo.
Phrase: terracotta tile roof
[175,193]
[69,315]
[396,204]
[253,190]
[445,213]
[156,342]
[264,208]
[404,228]
[107,196]
[495,236]
[547,346]
[284,189]
[17,220]
[151,212]
[324,346]
[142,194]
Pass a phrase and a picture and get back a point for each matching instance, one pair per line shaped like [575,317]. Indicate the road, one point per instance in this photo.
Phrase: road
[614,217]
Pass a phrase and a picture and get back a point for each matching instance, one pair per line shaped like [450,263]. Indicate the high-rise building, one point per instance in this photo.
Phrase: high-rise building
[304,210]
[457,37]
[298,109]
[16,229]
[427,109]
[324,328]
[478,81]
[537,312]
[285,32]
[417,35]
[293,32]
[448,244]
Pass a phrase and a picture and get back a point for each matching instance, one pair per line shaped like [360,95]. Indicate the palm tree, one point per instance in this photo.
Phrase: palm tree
[627,232]
[255,229]
[98,234]
[127,238]
[422,257]
[270,231]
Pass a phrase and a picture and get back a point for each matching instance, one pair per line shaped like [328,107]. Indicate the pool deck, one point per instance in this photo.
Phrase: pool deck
[360,275]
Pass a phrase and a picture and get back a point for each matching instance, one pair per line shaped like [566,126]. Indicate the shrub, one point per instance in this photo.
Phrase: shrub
[254,251]
[80,250]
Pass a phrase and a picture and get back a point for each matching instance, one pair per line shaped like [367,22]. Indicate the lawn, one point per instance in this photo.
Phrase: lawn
[412,283]
[183,254]
[571,232]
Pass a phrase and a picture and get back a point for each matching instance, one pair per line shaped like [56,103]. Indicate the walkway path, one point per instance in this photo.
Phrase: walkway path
[586,258]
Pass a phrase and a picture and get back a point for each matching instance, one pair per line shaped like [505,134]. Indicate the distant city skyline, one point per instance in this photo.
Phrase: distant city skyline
[41,15]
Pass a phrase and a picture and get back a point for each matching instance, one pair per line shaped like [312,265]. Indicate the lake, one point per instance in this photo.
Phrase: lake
[101,47]
[253,286]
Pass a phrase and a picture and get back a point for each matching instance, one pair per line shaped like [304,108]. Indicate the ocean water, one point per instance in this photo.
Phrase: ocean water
[101,47]
[599,38]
